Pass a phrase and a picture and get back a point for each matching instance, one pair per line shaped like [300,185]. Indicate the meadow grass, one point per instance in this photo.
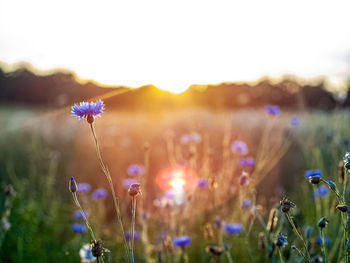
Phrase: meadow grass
[39,154]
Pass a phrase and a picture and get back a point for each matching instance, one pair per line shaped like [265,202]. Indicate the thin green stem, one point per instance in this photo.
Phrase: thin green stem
[323,246]
[76,201]
[115,198]
[301,254]
[133,228]
[228,255]
[299,235]
[280,252]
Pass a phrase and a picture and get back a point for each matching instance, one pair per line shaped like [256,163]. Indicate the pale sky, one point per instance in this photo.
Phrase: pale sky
[173,44]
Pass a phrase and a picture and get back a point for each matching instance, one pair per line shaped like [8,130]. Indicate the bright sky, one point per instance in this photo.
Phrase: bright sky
[173,44]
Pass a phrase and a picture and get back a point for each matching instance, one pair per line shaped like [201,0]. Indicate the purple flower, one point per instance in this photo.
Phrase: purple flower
[244,180]
[78,228]
[77,214]
[181,241]
[246,161]
[294,120]
[83,187]
[128,182]
[193,137]
[320,192]
[311,173]
[233,228]
[169,194]
[86,109]
[327,240]
[246,203]
[127,235]
[217,222]
[272,109]
[136,169]
[202,182]
[240,147]
[99,193]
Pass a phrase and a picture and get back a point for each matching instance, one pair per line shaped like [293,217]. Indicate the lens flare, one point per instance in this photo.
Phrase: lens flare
[177,178]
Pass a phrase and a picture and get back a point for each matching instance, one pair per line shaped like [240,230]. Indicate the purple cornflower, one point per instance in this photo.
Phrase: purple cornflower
[294,120]
[321,191]
[233,228]
[240,147]
[88,109]
[136,169]
[127,235]
[311,173]
[202,182]
[99,193]
[246,161]
[327,240]
[128,182]
[272,109]
[77,214]
[181,241]
[78,228]
[246,203]
[83,187]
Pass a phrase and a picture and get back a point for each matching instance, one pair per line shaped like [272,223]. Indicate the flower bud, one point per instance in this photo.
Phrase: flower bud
[72,185]
[134,189]
[97,248]
[322,223]
[315,179]
[332,185]
[342,208]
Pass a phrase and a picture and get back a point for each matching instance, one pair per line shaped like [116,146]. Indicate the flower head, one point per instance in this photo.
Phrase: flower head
[181,241]
[77,214]
[240,147]
[233,228]
[193,137]
[286,204]
[327,240]
[332,185]
[83,187]
[72,185]
[127,235]
[202,182]
[85,254]
[88,110]
[134,189]
[321,191]
[294,120]
[78,228]
[272,109]
[244,180]
[322,223]
[99,193]
[246,161]
[343,208]
[246,203]
[314,176]
[281,240]
[136,169]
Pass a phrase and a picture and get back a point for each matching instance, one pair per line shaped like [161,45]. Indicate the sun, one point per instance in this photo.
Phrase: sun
[173,86]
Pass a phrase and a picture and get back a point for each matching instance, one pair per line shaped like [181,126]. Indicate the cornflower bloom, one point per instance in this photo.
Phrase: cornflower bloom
[233,228]
[272,109]
[181,241]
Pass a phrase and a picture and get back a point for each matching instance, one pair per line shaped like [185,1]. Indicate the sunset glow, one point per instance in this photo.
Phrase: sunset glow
[175,44]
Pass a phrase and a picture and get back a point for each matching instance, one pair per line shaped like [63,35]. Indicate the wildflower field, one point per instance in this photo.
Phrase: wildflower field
[262,185]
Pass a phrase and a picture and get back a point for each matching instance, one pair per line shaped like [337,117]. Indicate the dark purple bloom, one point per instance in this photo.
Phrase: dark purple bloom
[128,235]
[128,182]
[78,228]
[72,185]
[246,203]
[217,222]
[233,228]
[246,161]
[202,182]
[244,180]
[294,120]
[85,109]
[240,147]
[272,109]
[136,169]
[181,241]
[83,187]
[99,193]
[77,214]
